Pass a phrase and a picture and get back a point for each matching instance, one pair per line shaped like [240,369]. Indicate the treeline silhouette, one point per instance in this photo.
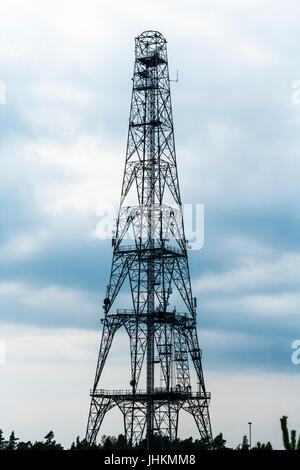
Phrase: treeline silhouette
[112,443]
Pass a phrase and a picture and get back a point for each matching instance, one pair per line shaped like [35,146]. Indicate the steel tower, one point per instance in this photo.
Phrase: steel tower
[150,251]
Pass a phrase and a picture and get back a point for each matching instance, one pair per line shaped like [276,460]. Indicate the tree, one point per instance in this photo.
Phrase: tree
[12,443]
[82,445]
[24,445]
[108,442]
[122,443]
[2,441]
[288,444]
[49,438]
[260,446]
[218,442]
[49,444]
[244,445]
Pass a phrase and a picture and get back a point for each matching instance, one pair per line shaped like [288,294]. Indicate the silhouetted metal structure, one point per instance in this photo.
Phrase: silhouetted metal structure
[150,250]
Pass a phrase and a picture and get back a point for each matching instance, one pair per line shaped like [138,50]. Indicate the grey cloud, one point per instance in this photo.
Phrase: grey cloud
[237,136]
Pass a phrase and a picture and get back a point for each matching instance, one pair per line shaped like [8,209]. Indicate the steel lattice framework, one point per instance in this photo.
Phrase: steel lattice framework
[150,250]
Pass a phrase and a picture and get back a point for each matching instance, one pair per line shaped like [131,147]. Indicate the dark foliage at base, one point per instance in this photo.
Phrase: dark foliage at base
[112,443]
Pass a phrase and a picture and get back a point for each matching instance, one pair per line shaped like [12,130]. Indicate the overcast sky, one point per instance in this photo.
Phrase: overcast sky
[67,67]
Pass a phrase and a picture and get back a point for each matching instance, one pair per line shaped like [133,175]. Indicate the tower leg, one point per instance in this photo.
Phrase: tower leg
[108,332]
[98,409]
[199,410]
[134,420]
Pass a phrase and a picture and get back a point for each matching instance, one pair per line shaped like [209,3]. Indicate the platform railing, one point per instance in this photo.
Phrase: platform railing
[166,247]
[157,391]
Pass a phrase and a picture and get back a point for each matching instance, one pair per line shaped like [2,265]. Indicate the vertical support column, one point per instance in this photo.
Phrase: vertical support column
[151,241]
[138,343]
[183,381]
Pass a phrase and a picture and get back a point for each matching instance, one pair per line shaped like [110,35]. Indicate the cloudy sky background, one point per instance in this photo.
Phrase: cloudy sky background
[67,66]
